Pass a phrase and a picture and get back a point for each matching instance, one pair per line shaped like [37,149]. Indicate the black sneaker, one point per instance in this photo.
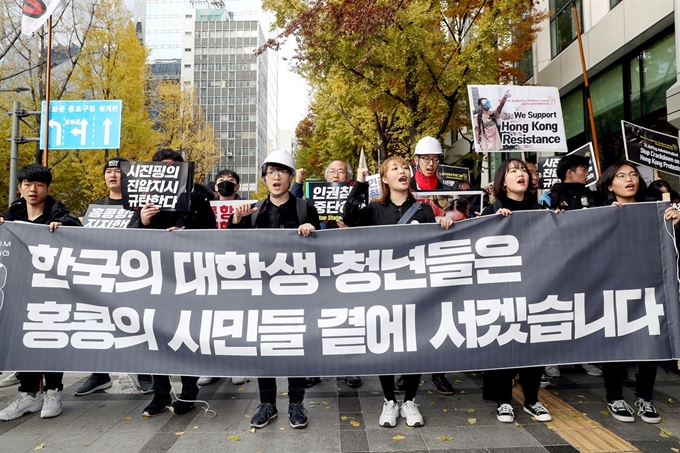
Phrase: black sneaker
[94,383]
[539,412]
[158,404]
[145,382]
[297,415]
[353,381]
[181,406]
[265,414]
[399,386]
[312,381]
[647,412]
[442,384]
[621,411]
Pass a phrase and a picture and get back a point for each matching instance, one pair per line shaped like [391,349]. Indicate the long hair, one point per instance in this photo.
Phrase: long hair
[499,189]
[384,187]
[607,179]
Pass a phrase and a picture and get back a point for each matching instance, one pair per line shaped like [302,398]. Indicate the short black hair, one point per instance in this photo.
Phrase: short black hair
[227,172]
[499,180]
[570,162]
[34,173]
[167,153]
[607,179]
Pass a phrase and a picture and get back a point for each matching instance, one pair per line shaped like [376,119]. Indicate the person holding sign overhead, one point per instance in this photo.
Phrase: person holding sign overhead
[486,124]
[397,206]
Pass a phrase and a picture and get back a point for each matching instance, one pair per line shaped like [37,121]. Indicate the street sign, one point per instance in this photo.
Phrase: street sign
[83,124]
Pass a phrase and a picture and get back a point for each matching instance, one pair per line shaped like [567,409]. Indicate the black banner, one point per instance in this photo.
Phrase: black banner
[531,289]
[650,148]
[547,172]
[168,185]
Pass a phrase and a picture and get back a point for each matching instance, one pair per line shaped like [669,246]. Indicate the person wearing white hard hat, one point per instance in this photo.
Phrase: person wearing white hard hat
[427,156]
[281,209]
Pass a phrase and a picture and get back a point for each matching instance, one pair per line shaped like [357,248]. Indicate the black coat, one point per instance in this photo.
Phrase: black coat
[572,195]
[359,212]
[54,211]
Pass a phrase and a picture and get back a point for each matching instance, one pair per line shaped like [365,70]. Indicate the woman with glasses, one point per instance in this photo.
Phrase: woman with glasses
[622,184]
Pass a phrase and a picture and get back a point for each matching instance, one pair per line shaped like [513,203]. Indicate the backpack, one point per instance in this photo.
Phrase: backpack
[300,204]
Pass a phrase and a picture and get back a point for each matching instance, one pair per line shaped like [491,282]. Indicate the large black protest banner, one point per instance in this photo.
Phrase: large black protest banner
[531,289]
[650,148]
[166,184]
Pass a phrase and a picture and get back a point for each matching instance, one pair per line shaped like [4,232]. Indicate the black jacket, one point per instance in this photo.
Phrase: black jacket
[359,212]
[54,211]
[509,203]
[572,195]
[285,216]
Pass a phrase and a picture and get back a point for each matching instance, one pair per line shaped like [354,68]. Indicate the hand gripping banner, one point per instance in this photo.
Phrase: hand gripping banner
[531,289]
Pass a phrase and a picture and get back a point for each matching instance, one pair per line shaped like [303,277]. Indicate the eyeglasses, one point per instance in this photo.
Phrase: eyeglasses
[429,159]
[275,173]
[632,175]
[333,171]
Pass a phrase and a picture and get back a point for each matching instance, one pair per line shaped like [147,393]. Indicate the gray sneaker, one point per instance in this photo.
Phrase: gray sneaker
[11,379]
[22,404]
[52,405]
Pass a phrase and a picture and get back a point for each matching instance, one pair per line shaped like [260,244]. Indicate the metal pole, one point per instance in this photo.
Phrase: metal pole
[14,152]
[48,89]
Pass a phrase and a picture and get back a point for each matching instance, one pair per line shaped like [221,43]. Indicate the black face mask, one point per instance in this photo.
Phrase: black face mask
[226,188]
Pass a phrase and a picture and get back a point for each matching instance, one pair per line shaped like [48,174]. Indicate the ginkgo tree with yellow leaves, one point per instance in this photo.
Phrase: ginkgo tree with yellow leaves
[402,66]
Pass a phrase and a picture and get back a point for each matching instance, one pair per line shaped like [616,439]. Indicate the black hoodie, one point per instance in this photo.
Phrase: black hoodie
[54,211]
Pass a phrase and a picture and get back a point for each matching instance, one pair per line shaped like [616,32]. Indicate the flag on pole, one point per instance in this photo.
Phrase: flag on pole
[36,12]
[362,159]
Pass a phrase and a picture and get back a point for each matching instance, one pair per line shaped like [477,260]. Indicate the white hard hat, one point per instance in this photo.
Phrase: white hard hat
[280,157]
[428,145]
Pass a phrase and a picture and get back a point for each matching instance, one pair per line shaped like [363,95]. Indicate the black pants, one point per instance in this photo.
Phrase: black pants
[498,385]
[31,382]
[644,380]
[296,389]
[411,382]
[162,386]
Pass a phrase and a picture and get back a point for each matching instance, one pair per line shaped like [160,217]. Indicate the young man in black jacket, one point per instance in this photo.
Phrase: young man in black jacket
[572,193]
[281,209]
[37,206]
[200,216]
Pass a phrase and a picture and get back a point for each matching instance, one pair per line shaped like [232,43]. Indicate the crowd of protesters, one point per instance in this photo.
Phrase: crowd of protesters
[514,189]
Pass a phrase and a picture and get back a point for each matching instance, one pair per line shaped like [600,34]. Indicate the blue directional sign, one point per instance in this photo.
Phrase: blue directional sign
[83,124]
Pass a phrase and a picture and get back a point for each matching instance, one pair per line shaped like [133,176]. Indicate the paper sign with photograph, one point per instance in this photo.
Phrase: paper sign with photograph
[516,118]
[650,148]
[454,205]
[451,175]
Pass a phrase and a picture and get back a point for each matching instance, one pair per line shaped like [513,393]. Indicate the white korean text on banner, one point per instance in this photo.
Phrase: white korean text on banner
[224,209]
[650,148]
[491,292]
[450,175]
[329,200]
[516,118]
[107,216]
[547,171]
[167,185]
[469,201]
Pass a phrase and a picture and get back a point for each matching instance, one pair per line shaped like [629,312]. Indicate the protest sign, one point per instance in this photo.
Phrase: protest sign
[450,175]
[490,292]
[516,118]
[547,172]
[438,200]
[106,216]
[224,209]
[329,201]
[167,185]
[374,189]
[650,148]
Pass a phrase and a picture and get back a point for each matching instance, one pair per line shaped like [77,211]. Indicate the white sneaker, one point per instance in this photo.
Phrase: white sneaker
[552,371]
[205,380]
[389,415]
[238,380]
[409,411]
[52,405]
[539,412]
[10,380]
[21,404]
[505,414]
[591,370]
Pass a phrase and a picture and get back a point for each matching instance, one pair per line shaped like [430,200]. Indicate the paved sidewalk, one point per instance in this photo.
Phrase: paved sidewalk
[340,420]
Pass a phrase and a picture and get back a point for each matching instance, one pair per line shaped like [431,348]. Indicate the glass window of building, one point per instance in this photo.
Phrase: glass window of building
[562,24]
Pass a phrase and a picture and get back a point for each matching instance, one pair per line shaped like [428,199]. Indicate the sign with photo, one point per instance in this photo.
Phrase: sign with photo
[439,201]
[167,185]
[450,175]
[516,118]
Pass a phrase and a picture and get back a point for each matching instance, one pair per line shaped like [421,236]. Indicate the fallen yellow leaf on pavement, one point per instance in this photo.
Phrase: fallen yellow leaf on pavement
[398,437]
[472,421]
[445,438]
[179,433]
[234,438]
[355,423]
[39,447]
